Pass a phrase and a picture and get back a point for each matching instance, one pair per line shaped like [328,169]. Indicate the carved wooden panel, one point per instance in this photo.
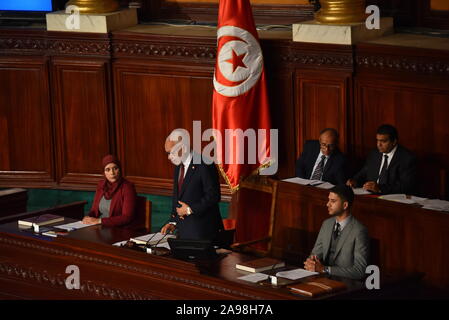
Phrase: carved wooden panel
[267,12]
[151,101]
[322,102]
[282,102]
[25,123]
[435,14]
[83,119]
[419,114]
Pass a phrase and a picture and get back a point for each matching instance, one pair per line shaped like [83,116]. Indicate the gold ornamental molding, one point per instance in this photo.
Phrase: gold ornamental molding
[341,11]
[94,6]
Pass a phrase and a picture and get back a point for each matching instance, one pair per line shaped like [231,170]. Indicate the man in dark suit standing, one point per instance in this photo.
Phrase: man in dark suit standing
[390,168]
[196,193]
[321,160]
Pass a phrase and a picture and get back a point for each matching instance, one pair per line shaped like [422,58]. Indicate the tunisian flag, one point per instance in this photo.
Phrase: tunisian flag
[240,96]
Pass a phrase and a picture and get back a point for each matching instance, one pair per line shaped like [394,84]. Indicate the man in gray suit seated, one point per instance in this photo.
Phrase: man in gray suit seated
[342,246]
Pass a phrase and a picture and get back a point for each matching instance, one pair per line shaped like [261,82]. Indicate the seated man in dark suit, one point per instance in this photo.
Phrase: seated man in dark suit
[342,246]
[388,169]
[321,160]
[196,193]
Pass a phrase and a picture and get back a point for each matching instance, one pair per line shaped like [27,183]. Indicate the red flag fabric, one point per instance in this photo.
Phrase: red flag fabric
[240,98]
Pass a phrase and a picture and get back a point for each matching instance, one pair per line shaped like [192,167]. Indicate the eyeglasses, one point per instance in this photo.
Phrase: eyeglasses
[327,146]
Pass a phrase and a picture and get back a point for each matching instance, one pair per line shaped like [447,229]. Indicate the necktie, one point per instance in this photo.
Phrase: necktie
[336,231]
[181,177]
[383,176]
[318,173]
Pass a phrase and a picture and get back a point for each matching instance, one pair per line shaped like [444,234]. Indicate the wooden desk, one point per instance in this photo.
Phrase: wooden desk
[34,267]
[404,238]
[13,201]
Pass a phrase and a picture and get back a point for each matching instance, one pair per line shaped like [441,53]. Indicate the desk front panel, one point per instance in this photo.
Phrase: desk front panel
[404,238]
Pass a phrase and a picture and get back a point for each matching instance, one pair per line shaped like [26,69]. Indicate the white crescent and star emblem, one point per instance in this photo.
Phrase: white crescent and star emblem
[239,62]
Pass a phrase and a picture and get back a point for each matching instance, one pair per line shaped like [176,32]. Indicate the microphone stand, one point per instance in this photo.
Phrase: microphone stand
[147,244]
[132,245]
[156,250]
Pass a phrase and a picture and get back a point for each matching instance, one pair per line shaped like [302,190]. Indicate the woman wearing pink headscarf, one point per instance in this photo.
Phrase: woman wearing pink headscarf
[115,198]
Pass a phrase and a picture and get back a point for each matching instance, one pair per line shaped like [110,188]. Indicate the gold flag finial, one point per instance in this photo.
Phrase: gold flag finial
[341,11]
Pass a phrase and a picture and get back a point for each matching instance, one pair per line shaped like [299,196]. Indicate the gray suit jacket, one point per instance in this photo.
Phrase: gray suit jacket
[352,251]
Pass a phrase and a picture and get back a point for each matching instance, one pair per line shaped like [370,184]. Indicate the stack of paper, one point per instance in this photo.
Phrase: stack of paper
[155,238]
[120,243]
[435,204]
[254,277]
[73,226]
[159,245]
[402,198]
[360,191]
[304,182]
[325,185]
[308,182]
[295,274]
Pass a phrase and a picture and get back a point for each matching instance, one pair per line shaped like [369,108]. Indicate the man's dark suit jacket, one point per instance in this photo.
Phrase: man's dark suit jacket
[201,191]
[401,172]
[334,170]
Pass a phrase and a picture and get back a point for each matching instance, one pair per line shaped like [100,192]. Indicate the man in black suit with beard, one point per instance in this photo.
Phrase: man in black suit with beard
[196,193]
[321,159]
[390,168]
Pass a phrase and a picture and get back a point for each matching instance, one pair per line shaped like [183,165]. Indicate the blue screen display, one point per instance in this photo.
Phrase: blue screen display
[26,5]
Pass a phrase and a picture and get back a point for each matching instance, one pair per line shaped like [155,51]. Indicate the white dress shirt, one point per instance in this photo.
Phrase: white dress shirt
[318,160]
[390,157]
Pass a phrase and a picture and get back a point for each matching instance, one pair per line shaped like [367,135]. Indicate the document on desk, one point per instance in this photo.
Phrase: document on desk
[254,277]
[163,245]
[436,204]
[160,245]
[120,243]
[325,185]
[360,191]
[304,182]
[73,226]
[402,198]
[295,274]
[155,238]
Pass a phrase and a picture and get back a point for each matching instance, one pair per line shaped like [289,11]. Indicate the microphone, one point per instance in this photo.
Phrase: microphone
[147,244]
[158,251]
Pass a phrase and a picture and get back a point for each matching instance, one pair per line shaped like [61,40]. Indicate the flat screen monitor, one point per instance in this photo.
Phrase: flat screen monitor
[192,249]
[27,5]
[26,12]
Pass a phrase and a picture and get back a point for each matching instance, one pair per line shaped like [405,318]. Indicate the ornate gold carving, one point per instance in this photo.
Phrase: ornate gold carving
[163,50]
[44,278]
[341,11]
[92,288]
[408,64]
[94,6]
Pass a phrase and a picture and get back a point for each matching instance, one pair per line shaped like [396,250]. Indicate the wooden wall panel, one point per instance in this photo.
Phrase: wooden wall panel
[282,106]
[419,114]
[83,119]
[423,110]
[157,100]
[164,81]
[322,102]
[25,123]
[264,12]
